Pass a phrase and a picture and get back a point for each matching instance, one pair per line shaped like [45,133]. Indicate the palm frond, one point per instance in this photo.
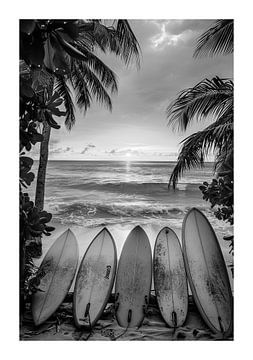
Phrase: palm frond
[118,39]
[219,39]
[103,72]
[87,85]
[209,97]
[217,137]
[62,88]
[129,45]
[81,91]
[225,162]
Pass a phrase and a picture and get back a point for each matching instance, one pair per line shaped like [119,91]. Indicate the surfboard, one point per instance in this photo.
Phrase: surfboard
[133,279]
[94,280]
[207,272]
[59,266]
[170,280]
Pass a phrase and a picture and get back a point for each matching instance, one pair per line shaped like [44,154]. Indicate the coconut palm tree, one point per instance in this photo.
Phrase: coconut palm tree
[65,49]
[219,39]
[209,98]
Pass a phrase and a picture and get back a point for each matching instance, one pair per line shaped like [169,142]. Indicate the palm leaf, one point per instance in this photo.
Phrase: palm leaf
[103,72]
[217,137]
[129,45]
[87,85]
[82,94]
[117,38]
[63,90]
[208,98]
[219,39]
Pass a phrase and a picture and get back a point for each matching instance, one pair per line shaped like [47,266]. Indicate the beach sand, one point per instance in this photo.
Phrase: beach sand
[61,326]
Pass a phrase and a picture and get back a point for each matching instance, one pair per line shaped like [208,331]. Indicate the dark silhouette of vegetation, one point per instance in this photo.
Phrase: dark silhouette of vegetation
[57,62]
[63,54]
[213,99]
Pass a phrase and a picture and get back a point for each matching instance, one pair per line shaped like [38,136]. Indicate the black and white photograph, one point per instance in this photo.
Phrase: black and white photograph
[126,179]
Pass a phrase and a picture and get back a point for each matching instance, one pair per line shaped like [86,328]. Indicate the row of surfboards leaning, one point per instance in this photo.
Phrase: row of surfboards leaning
[199,261]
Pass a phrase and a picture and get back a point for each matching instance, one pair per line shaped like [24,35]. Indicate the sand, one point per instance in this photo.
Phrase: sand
[61,327]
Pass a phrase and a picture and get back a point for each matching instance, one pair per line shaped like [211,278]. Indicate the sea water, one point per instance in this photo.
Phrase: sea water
[93,193]
[87,195]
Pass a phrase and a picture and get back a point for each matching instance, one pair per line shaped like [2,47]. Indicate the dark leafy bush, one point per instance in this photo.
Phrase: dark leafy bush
[220,193]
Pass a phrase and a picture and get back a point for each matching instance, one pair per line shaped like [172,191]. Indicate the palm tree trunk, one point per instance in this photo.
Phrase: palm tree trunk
[21,275]
[41,175]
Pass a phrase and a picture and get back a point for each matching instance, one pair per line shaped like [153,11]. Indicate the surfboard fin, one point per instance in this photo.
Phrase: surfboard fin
[145,306]
[129,316]
[87,310]
[116,306]
[87,313]
[174,318]
[221,326]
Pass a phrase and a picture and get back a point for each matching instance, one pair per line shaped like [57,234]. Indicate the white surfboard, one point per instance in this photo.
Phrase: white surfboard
[170,278]
[133,279]
[59,266]
[207,272]
[94,280]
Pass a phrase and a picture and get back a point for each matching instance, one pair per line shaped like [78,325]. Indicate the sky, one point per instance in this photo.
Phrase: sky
[137,128]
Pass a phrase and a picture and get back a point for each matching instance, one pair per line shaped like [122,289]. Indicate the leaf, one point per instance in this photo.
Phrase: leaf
[72,29]
[27,177]
[61,65]
[50,228]
[32,48]
[28,146]
[49,54]
[26,161]
[219,39]
[57,102]
[27,26]
[37,138]
[54,97]
[45,217]
[71,50]
[55,111]
[26,90]
[51,121]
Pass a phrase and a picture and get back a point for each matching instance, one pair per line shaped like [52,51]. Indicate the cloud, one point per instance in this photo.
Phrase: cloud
[113,151]
[53,142]
[60,150]
[139,109]
[87,148]
[124,151]
[166,153]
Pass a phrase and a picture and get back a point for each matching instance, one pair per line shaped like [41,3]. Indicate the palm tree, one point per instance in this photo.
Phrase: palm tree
[209,98]
[219,39]
[65,49]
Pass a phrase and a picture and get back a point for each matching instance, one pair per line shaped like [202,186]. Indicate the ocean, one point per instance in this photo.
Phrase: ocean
[87,195]
[93,193]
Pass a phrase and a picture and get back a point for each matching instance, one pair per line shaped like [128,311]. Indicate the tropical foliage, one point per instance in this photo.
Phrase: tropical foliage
[219,39]
[33,222]
[65,50]
[210,99]
[58,69]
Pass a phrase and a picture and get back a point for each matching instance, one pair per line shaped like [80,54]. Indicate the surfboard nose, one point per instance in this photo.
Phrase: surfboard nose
[138,229]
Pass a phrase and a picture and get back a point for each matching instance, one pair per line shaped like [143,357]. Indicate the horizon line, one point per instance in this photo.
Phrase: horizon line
[113,160]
